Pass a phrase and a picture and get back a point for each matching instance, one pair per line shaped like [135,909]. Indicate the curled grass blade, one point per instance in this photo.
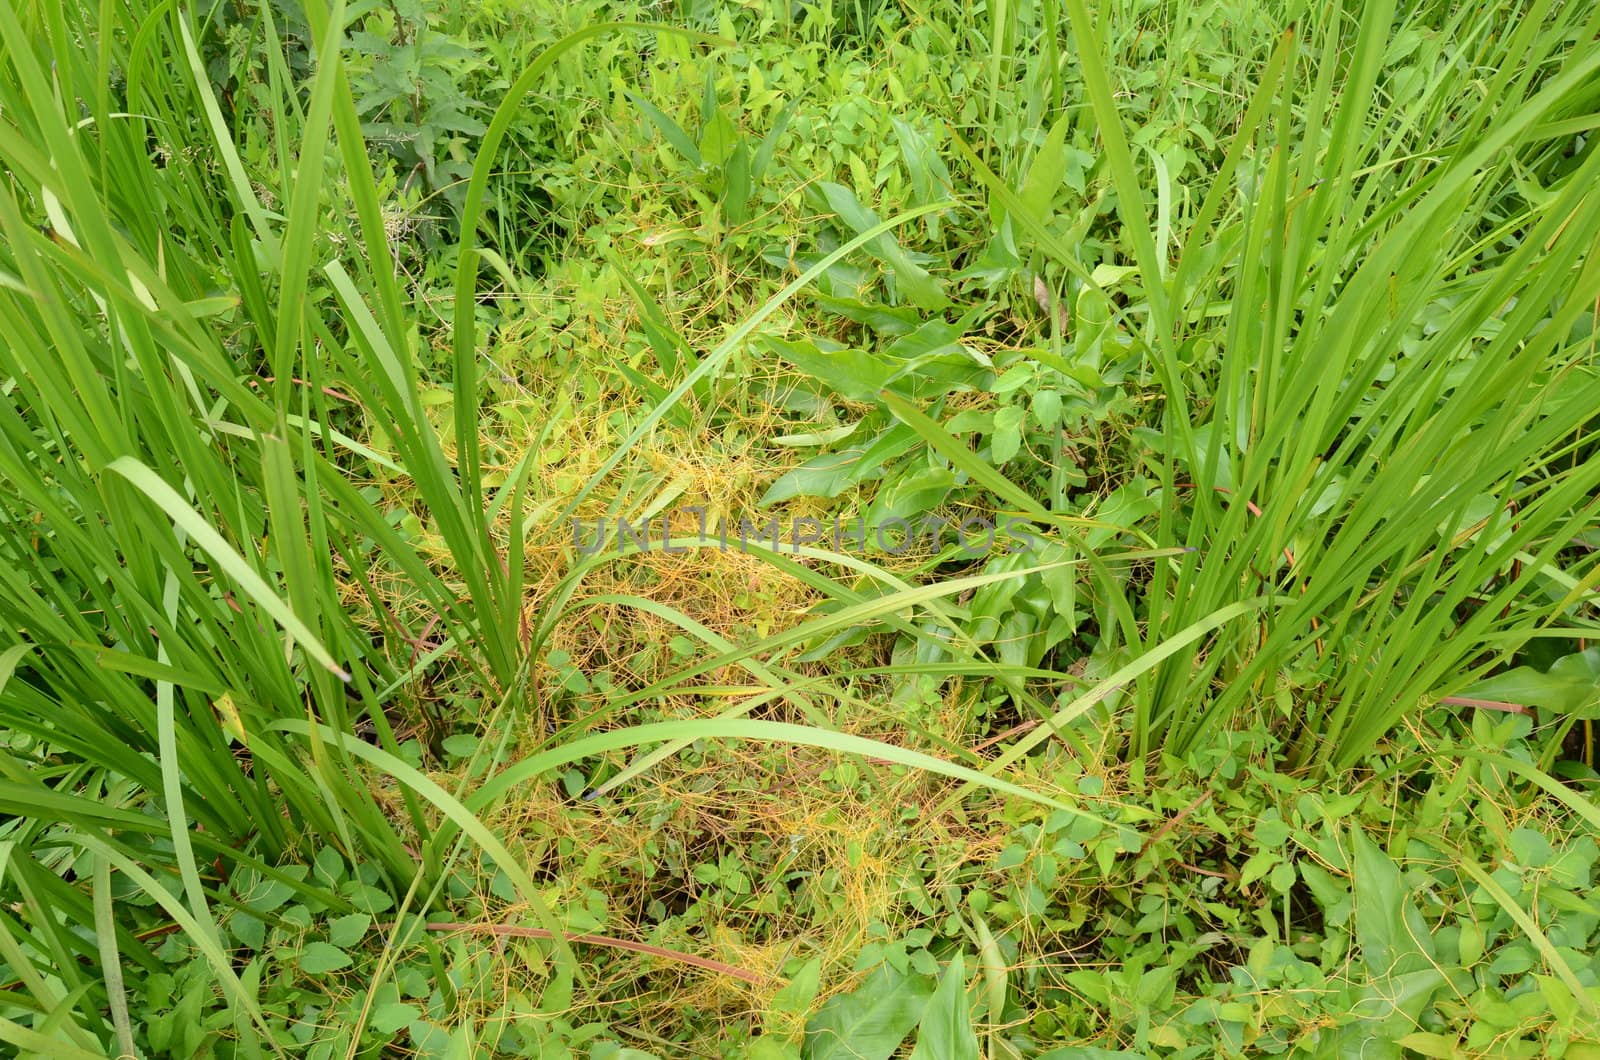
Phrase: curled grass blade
[458,814]
[188,520]
[772,732]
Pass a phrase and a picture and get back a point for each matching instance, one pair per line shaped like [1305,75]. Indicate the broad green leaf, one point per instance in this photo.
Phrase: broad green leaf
[962,457]
[1386,919]
[945,1032]
[801,989]
[769,142]
[1444,1046]
[914,282]
[929,177]
[718,138]
[390,1016]
[1396,947]
[933,336]
[871,1021]
[1007,440]
[824,475]
[320,957]
[1570,686]
[851,373]
[348,930]
[670,130]
[737,186]
[1044,172]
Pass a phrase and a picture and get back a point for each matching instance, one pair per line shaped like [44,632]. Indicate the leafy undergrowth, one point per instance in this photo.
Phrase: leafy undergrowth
[1440,903]
[811,532]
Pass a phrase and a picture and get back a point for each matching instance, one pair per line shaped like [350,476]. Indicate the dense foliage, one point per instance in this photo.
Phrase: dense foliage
[345,709]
